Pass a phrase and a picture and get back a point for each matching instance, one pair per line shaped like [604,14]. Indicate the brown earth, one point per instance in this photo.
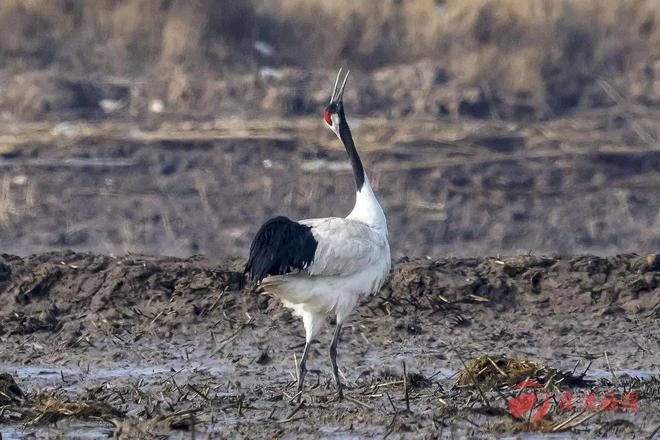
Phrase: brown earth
[163,346]
[584,184]
[166,128]
[147,346]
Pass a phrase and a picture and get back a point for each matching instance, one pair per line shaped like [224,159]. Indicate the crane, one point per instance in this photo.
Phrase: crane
[324,266]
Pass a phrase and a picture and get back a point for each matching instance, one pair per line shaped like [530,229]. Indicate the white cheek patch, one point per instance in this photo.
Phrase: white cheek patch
[335,123]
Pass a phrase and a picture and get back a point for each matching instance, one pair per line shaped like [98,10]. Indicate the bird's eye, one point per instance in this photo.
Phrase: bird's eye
[328,119]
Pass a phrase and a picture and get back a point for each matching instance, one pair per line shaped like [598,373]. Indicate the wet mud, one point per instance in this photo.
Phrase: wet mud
[158,347]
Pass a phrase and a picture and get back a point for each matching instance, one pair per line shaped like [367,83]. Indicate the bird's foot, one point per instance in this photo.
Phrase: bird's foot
[340,391]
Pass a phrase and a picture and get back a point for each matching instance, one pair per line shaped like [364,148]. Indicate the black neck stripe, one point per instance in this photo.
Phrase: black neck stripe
[354,157]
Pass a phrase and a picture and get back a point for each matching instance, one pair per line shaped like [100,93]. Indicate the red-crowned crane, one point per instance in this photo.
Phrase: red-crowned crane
[325,266]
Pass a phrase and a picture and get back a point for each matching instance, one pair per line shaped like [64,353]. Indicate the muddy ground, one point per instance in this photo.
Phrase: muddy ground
[117,343]
[581,184]
[147,347]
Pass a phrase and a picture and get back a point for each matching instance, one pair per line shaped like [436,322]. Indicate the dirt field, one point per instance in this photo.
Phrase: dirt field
[585,184]
[114,342]
[514,146]
[155,347]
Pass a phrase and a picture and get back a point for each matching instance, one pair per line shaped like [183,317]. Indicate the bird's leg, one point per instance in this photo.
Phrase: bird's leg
[333,359]
[302,370]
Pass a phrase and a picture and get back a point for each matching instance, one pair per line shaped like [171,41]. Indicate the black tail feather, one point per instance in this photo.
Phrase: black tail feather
[279,247]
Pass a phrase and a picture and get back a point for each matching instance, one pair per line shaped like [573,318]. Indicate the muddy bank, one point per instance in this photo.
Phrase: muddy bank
[162,345]
[67,292]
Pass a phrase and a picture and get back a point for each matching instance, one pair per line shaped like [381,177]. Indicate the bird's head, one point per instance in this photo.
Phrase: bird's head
[334,112]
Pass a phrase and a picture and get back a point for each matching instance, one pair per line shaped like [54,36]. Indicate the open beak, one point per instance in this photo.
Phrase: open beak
[338,93]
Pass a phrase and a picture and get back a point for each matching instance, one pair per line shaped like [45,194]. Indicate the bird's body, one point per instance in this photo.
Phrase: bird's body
[352,261]
[324,266]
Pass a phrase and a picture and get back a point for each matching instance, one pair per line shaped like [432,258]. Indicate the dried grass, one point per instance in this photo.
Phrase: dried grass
[491,372]
[369,34]
[529,57]
[47,406]
[52,408]
[549,51]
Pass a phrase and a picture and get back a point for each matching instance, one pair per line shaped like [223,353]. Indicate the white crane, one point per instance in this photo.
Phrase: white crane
[325,265]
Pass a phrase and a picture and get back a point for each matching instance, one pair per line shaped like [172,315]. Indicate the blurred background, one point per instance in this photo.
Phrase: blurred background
[178,126]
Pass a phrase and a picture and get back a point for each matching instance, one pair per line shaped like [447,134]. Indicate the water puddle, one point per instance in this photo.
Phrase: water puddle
[74,431]
[45,376]
[336,433]
[548,436]
[597,373]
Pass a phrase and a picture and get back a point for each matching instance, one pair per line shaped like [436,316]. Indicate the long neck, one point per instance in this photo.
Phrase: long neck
[353,156]
[366,209]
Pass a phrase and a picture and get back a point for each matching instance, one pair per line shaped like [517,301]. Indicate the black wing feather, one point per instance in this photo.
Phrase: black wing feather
[280,246]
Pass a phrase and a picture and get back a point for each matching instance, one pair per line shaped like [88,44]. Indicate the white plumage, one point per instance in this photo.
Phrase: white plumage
[325,266]
[352,260]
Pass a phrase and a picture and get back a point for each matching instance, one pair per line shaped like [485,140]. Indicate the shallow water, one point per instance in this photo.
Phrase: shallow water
[55,373]
[597,373]
[85,431]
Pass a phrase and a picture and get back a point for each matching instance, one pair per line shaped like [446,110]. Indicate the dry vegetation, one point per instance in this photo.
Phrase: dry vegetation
[524,58]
